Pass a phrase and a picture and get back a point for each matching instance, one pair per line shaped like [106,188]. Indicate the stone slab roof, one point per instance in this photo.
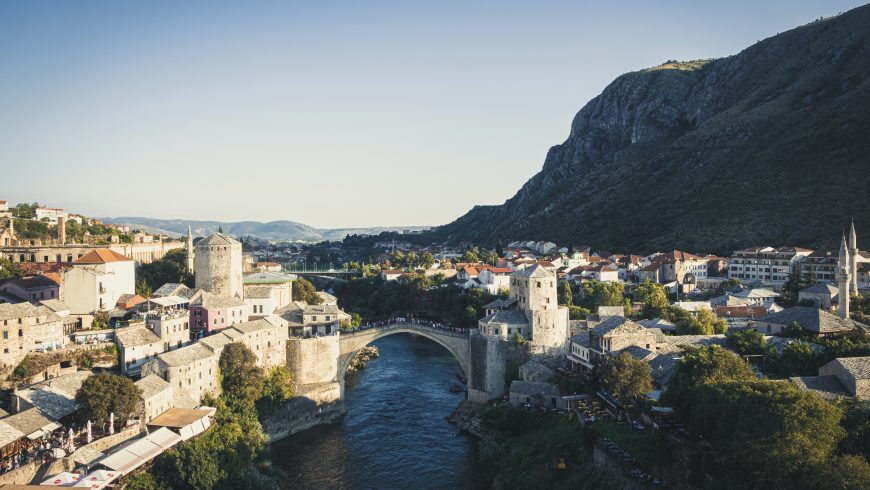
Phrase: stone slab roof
[828,387]
[500,304]
[533,388]
[55,397]
[218,239]
[216,341]
[821,288]
[509,317]
[811,319]
[26,310]
[634,351]
[136,336]
[27,421]
[676,343]
[9,434]
[186,355]
[858,367]
[617,325]
[152,385]
[173,289]
[257,292]
[536,270]
[210,301]
[582,339]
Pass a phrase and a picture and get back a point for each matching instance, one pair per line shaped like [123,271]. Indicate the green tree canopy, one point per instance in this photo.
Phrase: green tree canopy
[103,394]
[242,380]
[627,377]
[566,296]
[303,290]
[747,342]
[597,293]
[705,322]
[653,297]
[703,366]
[759,425]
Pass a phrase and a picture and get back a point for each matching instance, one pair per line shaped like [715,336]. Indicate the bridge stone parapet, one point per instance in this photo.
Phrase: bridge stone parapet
[456,342]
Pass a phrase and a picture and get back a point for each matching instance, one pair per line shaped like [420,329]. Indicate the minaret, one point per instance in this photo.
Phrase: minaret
[853,260]
[843,279]
[189,250]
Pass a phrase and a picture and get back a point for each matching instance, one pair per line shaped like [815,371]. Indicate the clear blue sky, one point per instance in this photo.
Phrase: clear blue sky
[357,113]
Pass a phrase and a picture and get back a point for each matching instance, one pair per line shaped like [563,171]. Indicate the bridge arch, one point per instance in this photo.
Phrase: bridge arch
[350,343]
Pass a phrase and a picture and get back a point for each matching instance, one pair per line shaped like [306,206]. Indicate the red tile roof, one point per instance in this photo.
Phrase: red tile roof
[101,256]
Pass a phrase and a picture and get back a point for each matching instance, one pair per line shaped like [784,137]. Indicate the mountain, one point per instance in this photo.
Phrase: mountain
[768,146]
[273,230]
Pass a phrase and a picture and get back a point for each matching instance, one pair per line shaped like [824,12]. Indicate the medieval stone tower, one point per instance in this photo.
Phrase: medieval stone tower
[219,266]
[844,265]
[853,260]
[535,292]
[189,250]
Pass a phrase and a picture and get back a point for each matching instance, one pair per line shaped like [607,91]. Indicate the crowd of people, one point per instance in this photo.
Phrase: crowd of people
[635,472]
[405,320]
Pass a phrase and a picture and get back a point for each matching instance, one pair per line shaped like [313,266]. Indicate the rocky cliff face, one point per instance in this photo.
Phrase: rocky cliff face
[766,146]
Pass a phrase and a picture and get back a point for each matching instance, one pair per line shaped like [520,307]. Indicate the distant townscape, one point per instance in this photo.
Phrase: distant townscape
[79,297]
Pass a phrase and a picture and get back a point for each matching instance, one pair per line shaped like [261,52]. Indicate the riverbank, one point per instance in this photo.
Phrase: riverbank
[533,450]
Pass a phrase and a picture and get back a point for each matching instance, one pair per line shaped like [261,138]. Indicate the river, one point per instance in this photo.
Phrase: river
[394,434]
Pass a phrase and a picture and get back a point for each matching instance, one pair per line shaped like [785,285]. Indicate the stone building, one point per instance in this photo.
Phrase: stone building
[219,266]
[210,312]
[165,330]
[156,396]
[306,320]
[532,311]
[534,289]
[33,288]
[853,373]
[267,292]
[26,328]
[192,372]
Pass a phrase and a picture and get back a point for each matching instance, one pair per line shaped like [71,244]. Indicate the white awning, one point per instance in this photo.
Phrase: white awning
[35,435]
[51,427]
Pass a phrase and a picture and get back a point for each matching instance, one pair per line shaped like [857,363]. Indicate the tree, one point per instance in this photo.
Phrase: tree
[489,257]
[705,322]
[597,293]
[277,389]
[143,289]
[628,377]
[427,260]
[702,366]
[242,380]
[758,425]
[8,269]
[103,394]
[566,296]
[171,268]
[303,290]
[729,284]
[747,342]
[797,359]
[653,297]
[471,255]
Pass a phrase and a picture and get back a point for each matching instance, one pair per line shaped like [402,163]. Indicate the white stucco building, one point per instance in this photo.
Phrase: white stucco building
[96,281]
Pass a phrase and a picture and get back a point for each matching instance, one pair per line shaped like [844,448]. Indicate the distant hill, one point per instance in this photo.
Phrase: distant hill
[768,146]
[273,230]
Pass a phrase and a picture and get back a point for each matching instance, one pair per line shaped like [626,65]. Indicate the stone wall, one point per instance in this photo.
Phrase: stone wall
[314,405]
[21,476]
[313,360]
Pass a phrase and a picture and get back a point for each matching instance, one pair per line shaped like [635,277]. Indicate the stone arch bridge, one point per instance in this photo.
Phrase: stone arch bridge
[456,342]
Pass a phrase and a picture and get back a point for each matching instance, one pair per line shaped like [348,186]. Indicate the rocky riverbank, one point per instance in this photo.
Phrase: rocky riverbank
[362,358]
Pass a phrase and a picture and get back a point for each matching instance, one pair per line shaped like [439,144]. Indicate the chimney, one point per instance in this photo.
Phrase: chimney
[61,230]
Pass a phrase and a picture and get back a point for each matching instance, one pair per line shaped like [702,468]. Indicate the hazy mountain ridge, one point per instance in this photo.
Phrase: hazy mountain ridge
[272,230]
[766,146]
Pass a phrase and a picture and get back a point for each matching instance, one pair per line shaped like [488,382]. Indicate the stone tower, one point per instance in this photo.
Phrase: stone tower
[535,292]
[189,250]
[843,279]
[853,260]
[219,266]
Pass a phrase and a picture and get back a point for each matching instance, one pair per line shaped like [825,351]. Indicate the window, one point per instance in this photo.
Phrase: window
[5,334]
